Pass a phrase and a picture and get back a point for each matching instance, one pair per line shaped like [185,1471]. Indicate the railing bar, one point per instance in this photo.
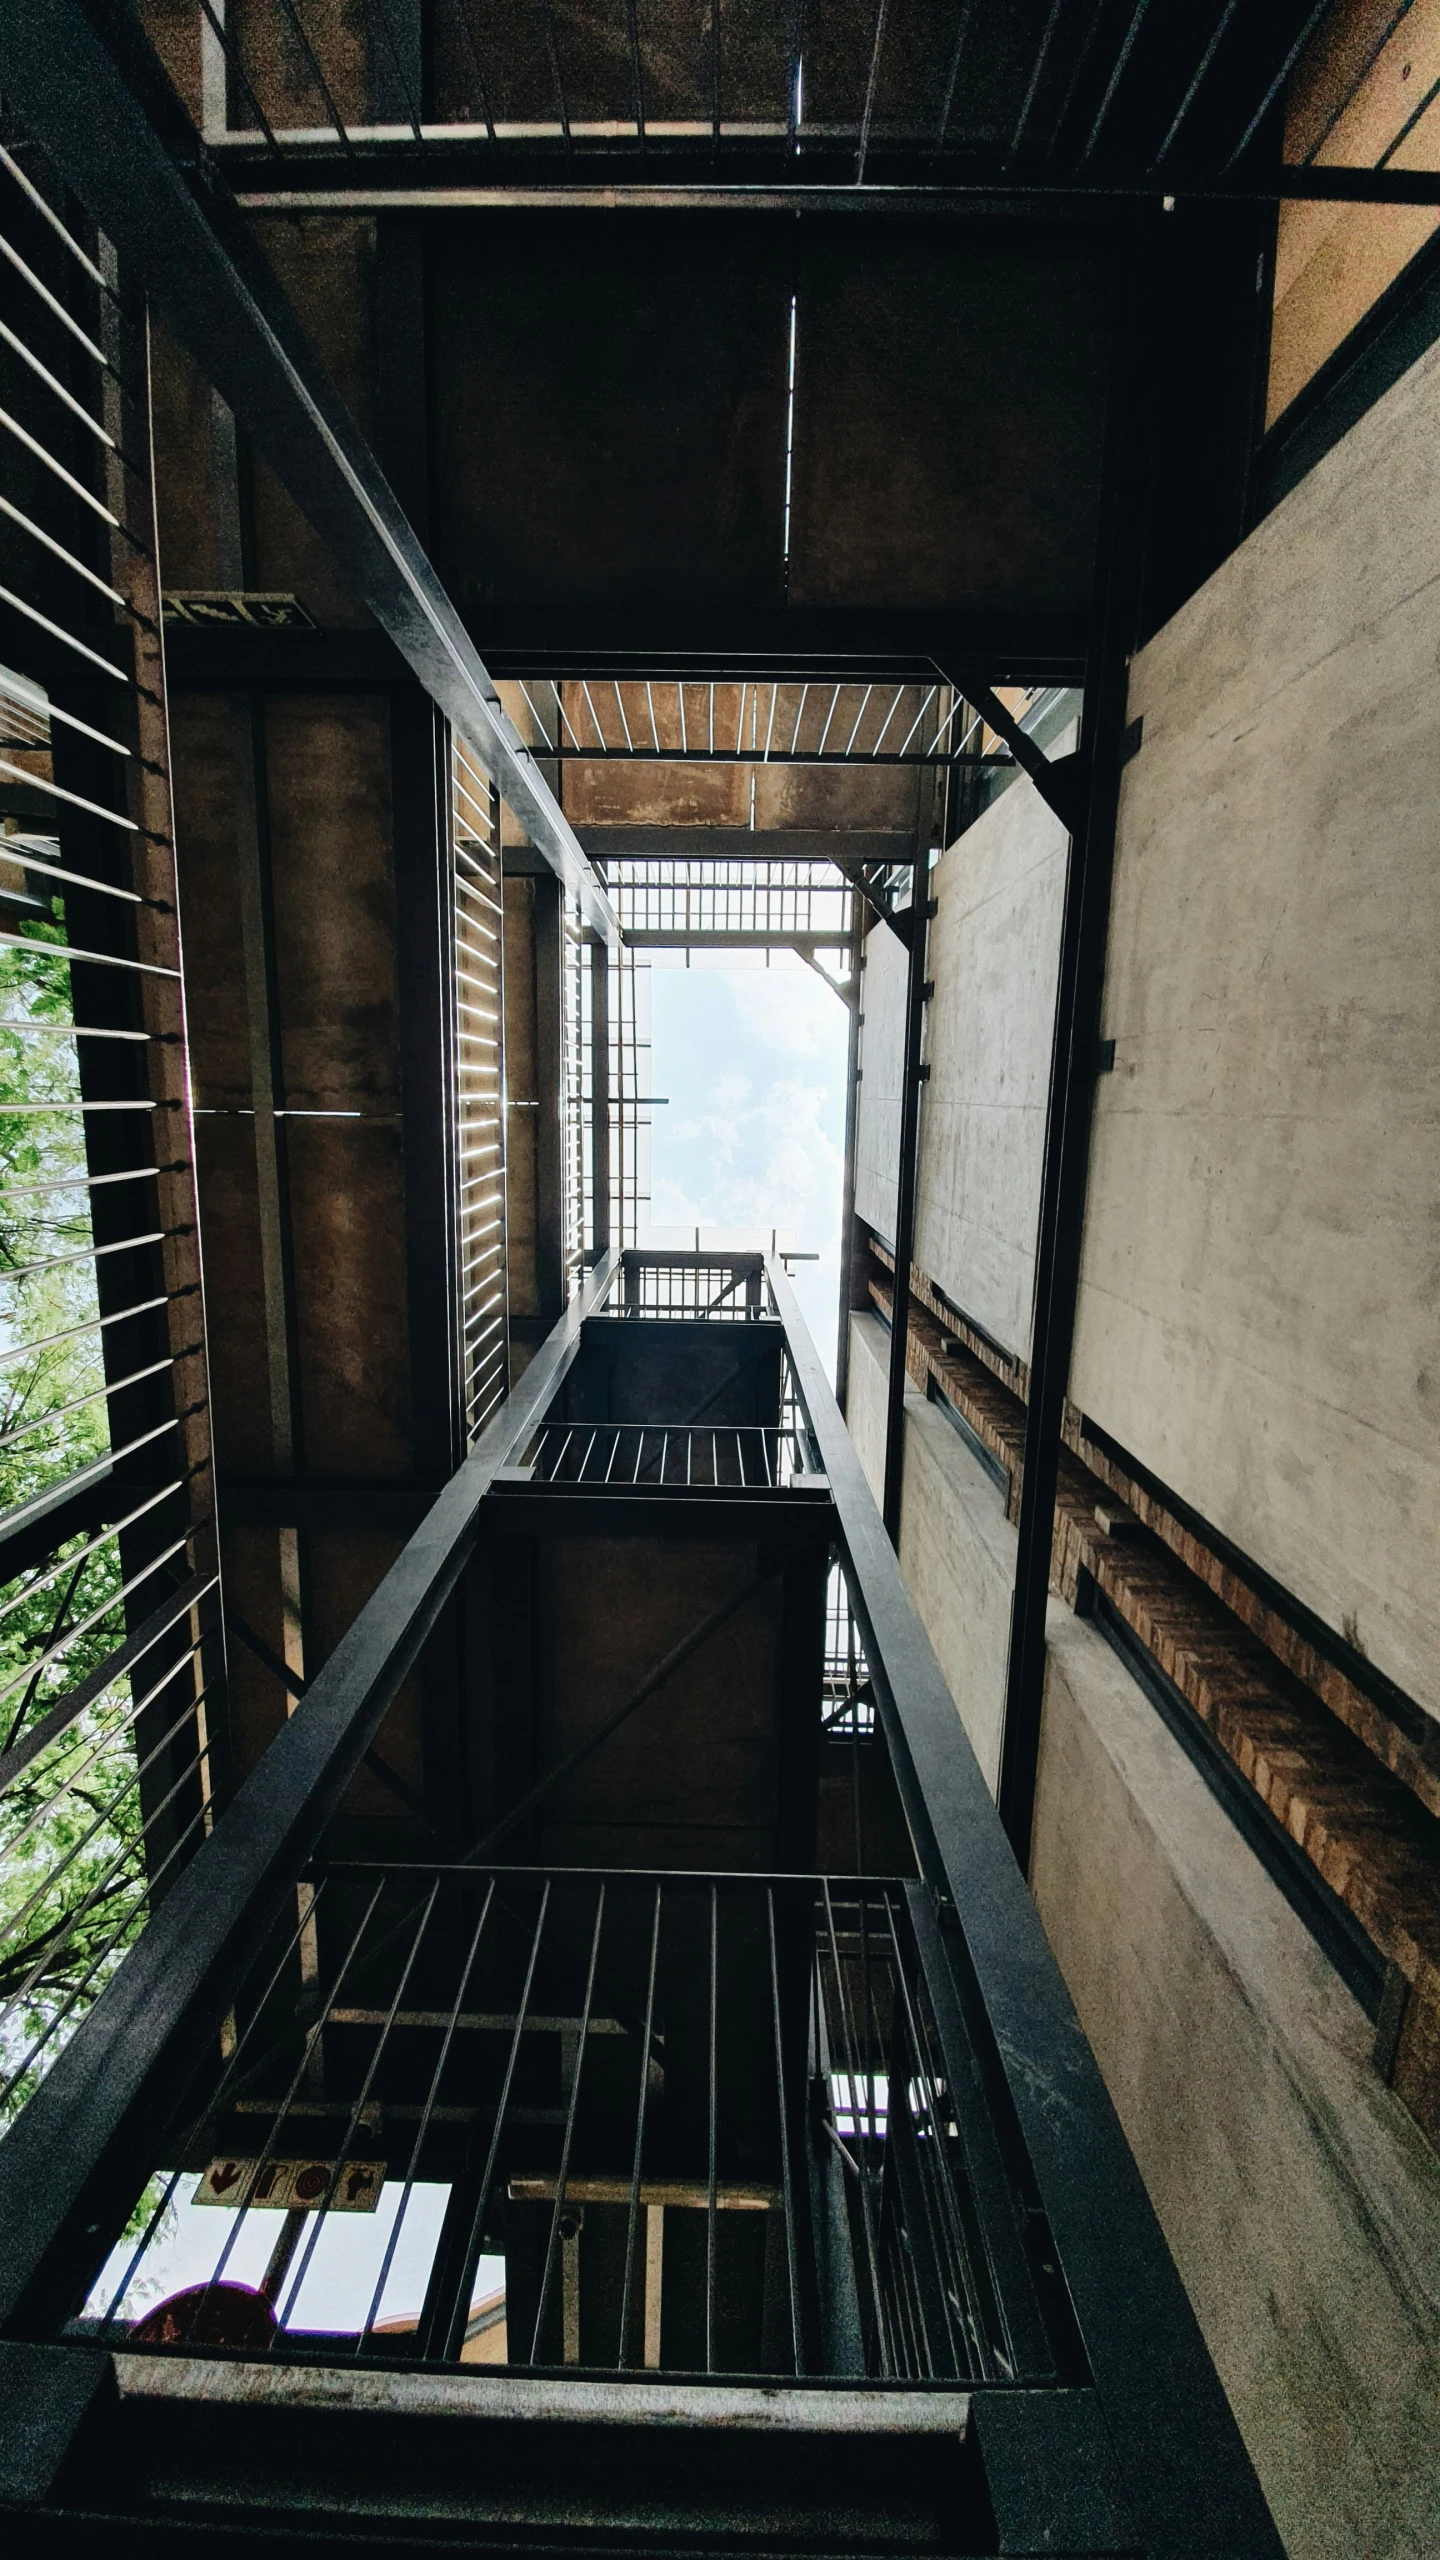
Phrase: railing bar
[28,187]
[19,348]
[92,1324]
[458,2317]
[88,1253]
[77,567]
[710,2174]
[644,2092]
[571,2113]
[859,716]
[83,1625]
[792,2263]
[799,716]
[84,1181]
[427,2110]
[96,1682]
[534,714]
[127,1849]
[54,2023]
[82,1555]
[231,2068]
[360,2102]
[77,488]
[889,716]
[919,716]
[312,2039]
[135,1710]
[64,950]
[943,2229]
[69,1783]
[22,1430]
[54,304]
[882,2337]
[33,614]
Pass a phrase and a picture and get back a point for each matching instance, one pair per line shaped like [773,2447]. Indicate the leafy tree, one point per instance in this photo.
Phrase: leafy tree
[71,1861]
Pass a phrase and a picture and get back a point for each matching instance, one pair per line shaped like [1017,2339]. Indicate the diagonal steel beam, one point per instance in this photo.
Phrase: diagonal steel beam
[90,88]
[1056,779]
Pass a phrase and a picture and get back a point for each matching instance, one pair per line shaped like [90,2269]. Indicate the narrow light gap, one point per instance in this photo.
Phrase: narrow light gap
[789,443]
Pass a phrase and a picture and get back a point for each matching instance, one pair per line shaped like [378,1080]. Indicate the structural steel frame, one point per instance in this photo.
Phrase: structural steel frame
[121,139]
[78,2151]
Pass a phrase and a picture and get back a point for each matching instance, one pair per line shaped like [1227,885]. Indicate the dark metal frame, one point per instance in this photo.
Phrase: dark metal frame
[1138,2391]
[116,130]
[1120,573]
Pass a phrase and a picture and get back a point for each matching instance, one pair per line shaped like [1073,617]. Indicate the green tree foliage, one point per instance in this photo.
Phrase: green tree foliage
[71,1867]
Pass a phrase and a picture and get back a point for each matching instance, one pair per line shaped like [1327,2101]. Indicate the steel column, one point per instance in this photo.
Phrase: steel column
[1118,593]
[852,1132]
[600,1097]
[905,1185]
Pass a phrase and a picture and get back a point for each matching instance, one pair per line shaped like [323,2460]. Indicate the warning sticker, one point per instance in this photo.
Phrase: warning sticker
[293,2186]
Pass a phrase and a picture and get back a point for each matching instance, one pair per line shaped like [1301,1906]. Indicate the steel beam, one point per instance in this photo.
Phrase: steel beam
[646,938]
[120,137]
[1120,565]
[622,843]
[1183,2464]
[456,176]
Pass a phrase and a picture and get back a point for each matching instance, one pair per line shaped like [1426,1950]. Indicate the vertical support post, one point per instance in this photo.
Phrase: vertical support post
[852,1132]
[1119,581]
[550,1097]
[905,1187]
[600,1098]
[800,1679]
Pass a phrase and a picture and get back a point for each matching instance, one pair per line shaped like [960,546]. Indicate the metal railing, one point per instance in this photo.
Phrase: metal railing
[111,1657]
[707,900]
[720,1288]
[716,2126]
[747,1457]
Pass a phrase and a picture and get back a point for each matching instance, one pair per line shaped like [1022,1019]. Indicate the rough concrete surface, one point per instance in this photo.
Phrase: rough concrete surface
[994,951]
[1301,2203]
[1257,1319]
[882,1069]
[957,1549]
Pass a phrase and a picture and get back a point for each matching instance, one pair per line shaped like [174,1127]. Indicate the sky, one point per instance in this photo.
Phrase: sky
[753,1062]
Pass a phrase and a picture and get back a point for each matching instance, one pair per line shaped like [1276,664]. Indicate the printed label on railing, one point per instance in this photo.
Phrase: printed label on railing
[292,2186]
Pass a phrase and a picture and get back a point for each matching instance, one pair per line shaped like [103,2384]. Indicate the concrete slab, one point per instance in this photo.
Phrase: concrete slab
[1258,1310]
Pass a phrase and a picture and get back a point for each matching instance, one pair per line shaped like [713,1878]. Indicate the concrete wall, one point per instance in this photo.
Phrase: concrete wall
[1302,2205]
[882,1063]
[994,952]
[957,1549]
[1258,1312]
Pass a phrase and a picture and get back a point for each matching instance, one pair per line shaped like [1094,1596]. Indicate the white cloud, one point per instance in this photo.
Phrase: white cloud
[796,1018]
